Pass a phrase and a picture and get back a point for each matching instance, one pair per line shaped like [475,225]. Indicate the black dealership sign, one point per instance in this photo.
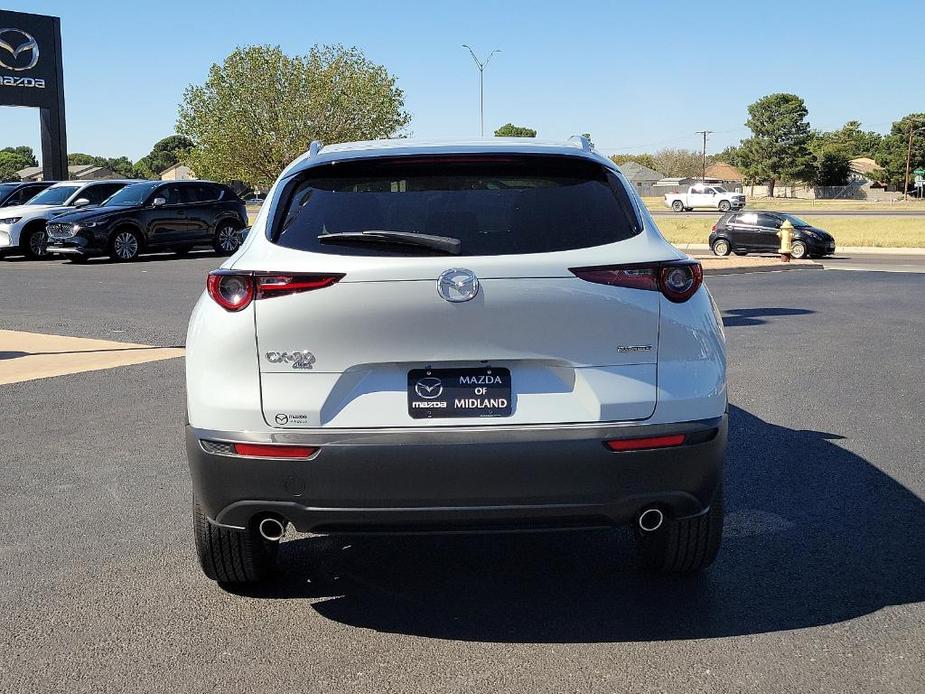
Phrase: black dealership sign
[31,74]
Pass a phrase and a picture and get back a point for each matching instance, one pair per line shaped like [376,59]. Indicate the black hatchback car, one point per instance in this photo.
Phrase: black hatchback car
[754,231]
[153,216]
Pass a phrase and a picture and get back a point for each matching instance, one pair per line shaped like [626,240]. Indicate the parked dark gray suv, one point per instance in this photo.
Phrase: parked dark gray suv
[153,216]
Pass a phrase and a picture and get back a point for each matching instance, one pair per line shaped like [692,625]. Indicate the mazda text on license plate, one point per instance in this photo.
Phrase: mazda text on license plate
[480,392]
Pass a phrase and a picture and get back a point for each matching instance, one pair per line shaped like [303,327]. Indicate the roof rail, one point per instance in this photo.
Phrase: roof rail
[314,148]
[583,141]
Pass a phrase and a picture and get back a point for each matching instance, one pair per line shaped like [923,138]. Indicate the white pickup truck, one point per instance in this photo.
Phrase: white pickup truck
[708,196]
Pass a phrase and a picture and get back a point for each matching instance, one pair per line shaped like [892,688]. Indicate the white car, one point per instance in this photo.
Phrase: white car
[486,335]
[22,228]
[700,196]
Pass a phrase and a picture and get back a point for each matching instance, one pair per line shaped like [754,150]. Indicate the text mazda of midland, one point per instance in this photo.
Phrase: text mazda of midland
[153,216]
[479,336]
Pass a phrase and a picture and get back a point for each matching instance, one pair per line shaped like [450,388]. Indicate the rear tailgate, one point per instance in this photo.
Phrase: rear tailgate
[576,351]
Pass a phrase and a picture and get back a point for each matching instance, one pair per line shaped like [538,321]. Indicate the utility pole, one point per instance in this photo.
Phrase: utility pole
[704,133]
[481,66]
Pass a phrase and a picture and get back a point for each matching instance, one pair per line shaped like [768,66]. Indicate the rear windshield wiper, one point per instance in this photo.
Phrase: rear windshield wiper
[446,244]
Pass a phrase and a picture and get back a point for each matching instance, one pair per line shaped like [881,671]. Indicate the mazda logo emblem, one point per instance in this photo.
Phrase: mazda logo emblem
[282,419]
[18,50]
[429,387]
[457,285]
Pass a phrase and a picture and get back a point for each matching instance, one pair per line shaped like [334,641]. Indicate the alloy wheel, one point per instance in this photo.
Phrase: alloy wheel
[229,238]
[125,245]
[38,244]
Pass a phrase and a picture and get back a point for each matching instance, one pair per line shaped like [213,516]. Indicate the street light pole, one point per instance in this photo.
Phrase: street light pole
[481,66]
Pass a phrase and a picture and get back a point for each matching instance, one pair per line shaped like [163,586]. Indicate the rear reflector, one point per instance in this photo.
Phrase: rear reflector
[646,443]
[263,450]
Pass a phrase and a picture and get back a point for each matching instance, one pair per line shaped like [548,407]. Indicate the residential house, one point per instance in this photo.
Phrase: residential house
[641,177]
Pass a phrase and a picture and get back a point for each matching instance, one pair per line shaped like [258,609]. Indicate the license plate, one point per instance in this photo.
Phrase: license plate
[482,392]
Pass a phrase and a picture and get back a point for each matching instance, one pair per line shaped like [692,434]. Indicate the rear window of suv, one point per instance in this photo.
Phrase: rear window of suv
[494,205]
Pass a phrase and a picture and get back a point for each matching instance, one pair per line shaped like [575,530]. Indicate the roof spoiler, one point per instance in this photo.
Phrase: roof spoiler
[314,148]
[582,141]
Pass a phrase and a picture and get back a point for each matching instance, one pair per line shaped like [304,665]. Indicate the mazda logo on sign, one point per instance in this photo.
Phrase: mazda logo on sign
[18,50]
[429,388]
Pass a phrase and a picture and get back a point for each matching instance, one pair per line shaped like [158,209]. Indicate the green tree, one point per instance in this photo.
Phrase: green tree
[832,169]
[166,152]
[891,154]
[848,140]
[261,108]
[11,163]
[511,130]
[778,148]
[25,152]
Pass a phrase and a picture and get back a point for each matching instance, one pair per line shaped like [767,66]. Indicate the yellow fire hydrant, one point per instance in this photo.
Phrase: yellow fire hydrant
[786,239]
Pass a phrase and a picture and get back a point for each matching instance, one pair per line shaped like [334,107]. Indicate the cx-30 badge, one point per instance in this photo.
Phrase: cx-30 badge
[13,44]
[299,360]
[457,285]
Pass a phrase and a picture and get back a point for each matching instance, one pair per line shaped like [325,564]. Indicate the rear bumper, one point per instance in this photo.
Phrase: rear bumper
[458,479]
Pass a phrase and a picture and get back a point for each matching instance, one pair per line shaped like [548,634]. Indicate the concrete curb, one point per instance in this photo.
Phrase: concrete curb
[746,269]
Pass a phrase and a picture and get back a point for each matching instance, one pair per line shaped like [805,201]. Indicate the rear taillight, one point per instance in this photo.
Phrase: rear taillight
[234,291]
[713,228]
[677,280]
[279,285]
[268,450]
[230,291]
[645,443]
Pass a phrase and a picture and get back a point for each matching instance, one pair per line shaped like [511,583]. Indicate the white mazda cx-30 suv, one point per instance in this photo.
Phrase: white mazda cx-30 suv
[487,335]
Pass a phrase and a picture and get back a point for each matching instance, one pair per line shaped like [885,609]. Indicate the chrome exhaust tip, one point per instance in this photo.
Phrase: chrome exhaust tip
[272,529]
[651,520]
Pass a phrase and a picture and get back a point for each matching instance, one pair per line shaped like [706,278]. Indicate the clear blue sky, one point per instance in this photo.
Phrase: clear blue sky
[638,76]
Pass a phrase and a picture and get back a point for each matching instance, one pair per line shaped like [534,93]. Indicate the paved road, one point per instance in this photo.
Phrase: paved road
[819,586]
[875,262]
[817,211]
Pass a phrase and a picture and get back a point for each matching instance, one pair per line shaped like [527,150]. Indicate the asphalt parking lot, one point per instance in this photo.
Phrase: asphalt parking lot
[819,586]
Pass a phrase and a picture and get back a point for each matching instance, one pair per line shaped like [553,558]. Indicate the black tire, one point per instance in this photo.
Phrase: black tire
[683,546]
[125,245]
[721,247]
[232,556]
[798,250]
[34,242]
[677,206]
[228,238]
[724,206]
